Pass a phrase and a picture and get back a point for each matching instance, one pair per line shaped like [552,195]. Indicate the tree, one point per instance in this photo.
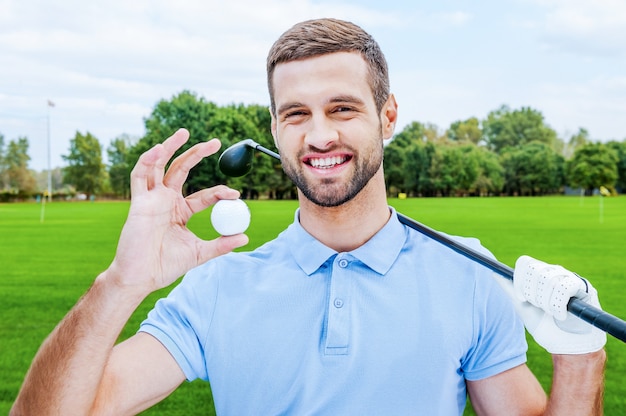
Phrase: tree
[407,159]
[532,169]
[490,176]
[19,178]
[394,162]
[119,168]
[465,131]
[16,180]
[593,165]
[451,171]
[4,182]
[85,169]
[505,128]
[432,133]
[620,151]
[419,156]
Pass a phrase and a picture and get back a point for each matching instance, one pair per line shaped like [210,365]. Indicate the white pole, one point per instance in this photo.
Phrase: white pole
[50,104]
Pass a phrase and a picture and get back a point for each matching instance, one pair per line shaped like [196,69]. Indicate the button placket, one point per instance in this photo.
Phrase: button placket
[338,335]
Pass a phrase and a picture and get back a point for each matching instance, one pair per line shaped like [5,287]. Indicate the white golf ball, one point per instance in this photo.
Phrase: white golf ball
[230,216]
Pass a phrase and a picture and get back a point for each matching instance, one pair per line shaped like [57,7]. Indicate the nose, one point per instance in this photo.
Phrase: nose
[322,133]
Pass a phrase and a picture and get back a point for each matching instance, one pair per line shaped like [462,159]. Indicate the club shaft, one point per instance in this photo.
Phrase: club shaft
[610,324]
[266,151]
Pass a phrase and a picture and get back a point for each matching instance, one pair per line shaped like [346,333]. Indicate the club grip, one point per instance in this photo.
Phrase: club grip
[610,324]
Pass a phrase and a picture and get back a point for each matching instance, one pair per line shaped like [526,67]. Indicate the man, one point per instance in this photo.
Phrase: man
[347,311]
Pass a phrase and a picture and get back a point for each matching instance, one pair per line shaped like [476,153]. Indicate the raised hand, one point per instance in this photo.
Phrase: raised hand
[155,246]
[544,291]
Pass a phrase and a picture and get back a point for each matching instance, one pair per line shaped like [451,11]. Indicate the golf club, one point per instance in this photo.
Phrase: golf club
[237,161]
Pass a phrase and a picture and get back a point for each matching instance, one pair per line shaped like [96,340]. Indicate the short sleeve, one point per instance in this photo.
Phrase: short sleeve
[181,320]
[500,342]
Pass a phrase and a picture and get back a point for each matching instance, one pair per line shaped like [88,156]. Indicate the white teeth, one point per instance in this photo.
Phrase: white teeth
[327,163]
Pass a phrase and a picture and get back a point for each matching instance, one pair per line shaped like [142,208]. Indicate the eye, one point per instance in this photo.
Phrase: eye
[294,115]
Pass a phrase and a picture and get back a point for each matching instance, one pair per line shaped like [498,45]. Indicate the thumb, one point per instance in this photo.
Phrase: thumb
[221,245]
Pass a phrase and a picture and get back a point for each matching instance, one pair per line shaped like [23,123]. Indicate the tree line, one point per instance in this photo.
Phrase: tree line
[510,152]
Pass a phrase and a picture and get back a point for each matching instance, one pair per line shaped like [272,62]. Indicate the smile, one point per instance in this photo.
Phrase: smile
[327,162]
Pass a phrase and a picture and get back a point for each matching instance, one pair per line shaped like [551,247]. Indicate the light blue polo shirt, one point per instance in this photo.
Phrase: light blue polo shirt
[394,327]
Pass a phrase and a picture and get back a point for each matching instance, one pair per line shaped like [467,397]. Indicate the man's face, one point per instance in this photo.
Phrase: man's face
[327,127]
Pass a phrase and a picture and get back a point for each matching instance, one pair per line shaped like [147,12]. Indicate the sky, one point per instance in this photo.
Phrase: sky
[106,64]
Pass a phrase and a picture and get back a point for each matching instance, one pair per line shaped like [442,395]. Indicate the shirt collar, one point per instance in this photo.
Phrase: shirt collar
[378,253]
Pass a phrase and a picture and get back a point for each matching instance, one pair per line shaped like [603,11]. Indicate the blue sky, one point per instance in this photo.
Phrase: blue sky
[105,64]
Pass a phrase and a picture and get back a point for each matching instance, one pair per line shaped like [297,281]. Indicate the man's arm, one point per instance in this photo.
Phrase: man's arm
[78,362]
[77,369]
[132,382]
[540,293]
[577,389]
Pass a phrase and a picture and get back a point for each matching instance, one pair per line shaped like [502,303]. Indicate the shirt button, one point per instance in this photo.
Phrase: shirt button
[338,303]
[343,263]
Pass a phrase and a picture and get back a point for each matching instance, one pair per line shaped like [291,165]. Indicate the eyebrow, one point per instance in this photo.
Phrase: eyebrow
[337,99]
[346,99]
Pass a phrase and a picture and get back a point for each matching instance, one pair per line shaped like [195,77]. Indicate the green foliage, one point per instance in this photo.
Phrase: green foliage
[16,176]
[394,162]
[510,128]
[593,165]
[465,131]
[532,169]
[490,177]
[620,150]
[407,160]
[512,151]
[451,171]
[85,170]
[119,169]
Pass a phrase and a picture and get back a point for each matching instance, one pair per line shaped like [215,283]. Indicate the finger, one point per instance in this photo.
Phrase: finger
[206,197]
[179,169]
[524,278]
[173,143]
[170,146]
[141,176]
[148,172]
[568,286]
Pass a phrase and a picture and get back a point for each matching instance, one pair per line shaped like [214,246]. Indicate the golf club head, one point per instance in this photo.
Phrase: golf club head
[237,160]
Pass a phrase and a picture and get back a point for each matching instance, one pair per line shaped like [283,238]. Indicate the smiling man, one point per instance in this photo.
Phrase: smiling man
[346,312]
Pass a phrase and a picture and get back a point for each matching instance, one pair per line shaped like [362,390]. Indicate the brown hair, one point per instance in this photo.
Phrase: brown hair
[322,36]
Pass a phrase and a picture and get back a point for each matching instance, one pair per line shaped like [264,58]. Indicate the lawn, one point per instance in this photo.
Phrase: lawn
[47,266]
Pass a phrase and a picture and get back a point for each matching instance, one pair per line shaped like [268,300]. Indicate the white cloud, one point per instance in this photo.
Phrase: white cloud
[456,18]
[594,27]
[107,63]
[597,105]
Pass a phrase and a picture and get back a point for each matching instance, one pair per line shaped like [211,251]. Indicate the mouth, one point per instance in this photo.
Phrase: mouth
[327,162]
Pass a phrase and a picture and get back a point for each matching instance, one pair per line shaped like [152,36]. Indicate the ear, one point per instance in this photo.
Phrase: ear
[273,128]
[389,117]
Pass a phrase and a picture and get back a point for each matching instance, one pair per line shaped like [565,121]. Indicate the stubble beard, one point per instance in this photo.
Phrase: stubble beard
[332,192]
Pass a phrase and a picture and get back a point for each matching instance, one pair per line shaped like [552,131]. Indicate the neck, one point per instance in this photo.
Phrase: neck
[350,225]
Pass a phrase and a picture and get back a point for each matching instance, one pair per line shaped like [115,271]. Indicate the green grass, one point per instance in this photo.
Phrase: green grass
[47,266]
